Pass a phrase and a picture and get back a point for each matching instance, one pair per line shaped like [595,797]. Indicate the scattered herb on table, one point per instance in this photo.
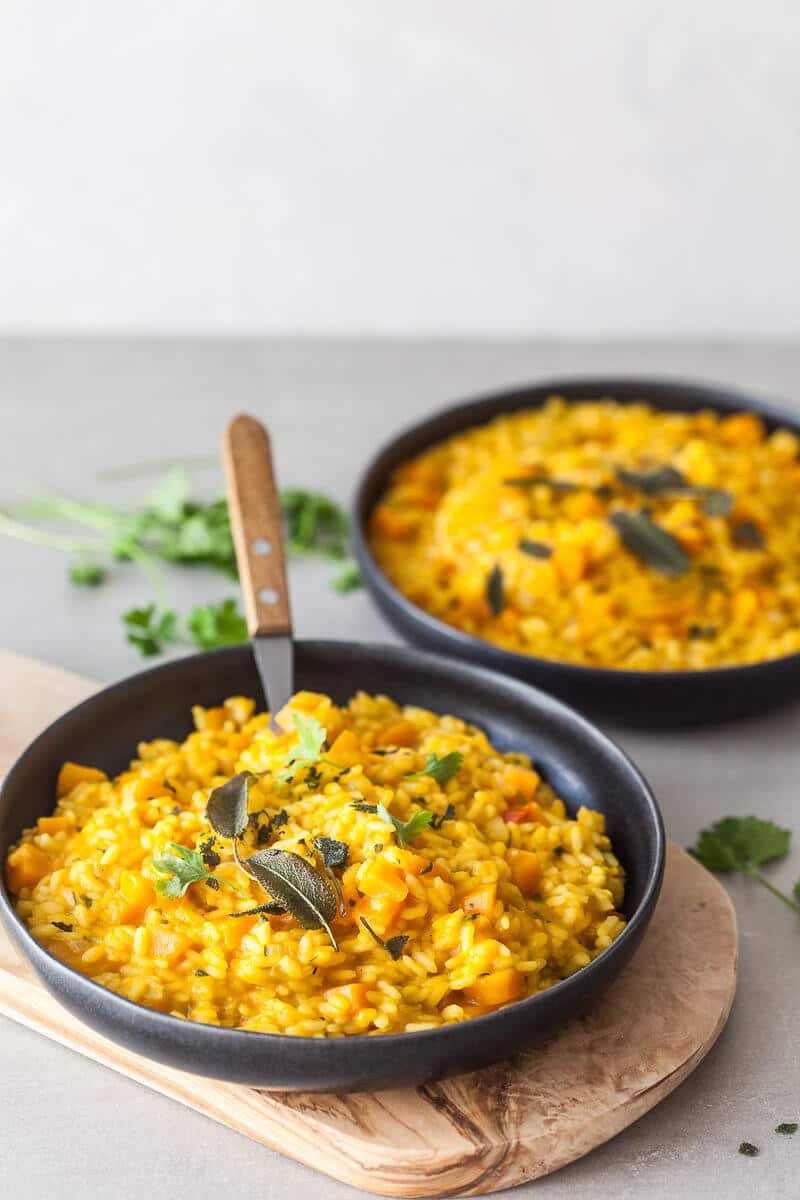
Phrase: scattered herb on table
[394,945]
[441,769]
[406,830]
[787,1127]
[171,527]
[748,1149]
[744,844]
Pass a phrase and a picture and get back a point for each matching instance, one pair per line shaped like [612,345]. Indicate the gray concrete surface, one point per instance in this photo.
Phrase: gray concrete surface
[69,1128]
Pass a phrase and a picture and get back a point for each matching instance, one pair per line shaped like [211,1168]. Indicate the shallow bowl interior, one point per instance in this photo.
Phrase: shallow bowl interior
[583,765]
[651,699]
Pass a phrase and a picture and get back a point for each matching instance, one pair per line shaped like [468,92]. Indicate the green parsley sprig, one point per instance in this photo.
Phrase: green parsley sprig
[744,844]
[182,867]
[307,750]
[406,830]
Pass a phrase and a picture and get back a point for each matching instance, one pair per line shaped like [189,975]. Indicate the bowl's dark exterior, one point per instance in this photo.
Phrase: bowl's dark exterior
[649,699]
[584,765]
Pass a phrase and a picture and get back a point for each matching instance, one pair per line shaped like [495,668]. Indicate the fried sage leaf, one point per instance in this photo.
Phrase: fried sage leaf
[748,536]
[495,590]
[558,485]
[395,945]
[662,480]
[293,882]
[535,549]
[226,810]
[333,853]
[650,543]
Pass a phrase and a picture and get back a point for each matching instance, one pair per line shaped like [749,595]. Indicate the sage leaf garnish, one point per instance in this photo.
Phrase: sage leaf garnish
[272,907]
[63,926]
[650,543]
[333,854]
[695,632]
[748,536]
[363,806]
[226,810]
[394,945]
[558,485]
[448,815]
[662,480]
[495,590]
[293,882]
[535,549]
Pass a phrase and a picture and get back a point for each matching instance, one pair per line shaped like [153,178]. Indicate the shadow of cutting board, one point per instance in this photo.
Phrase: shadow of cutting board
[476,1133]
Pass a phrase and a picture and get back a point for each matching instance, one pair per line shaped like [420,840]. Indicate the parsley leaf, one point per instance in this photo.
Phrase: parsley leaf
[406,830]
[181,868]
[217,625]
[787,1127]
[742,844]
[441,769]
[150,630]
[307,750]
[348,579]
[86,574]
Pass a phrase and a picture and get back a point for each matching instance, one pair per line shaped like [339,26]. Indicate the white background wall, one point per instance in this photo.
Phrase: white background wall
[545,167]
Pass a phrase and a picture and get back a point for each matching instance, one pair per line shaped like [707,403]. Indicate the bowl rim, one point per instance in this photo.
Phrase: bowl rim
[127,1011]
[475,410]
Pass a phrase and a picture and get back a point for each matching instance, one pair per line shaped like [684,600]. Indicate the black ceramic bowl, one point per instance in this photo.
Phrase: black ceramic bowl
[581,763]
[662,698]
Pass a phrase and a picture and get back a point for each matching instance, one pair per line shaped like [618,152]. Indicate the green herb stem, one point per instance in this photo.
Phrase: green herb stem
[759,878]
[40,537]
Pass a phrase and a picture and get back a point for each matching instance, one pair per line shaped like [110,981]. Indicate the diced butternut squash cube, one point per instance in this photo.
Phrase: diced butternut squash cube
[71,774]
[346,749]
[480,899]
[499,987]
[380,877]
[521,781]
[745,606]
[399,733]
[209,720]
[233,930]
[569,561]
[356,995]
[53,824]
[26,866]
[240,708]
[529,814]
[136,893]
[525,870]
[742,429]
[390,523]
[379,911]
[147,789]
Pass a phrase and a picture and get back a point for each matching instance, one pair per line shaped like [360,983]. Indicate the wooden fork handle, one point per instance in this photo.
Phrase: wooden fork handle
[257,526]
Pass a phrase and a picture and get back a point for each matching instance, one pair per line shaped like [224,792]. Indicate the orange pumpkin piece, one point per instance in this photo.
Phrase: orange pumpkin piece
[570,562]
[526,870]
[347,749]
[480,899]
[356,995]
[137,894]
[26,866]
[209,720]
[53,824]
[530,814]
[380,877]
[380,912]
[400,733]
[498,987]
[71,774]
[233,930]
[387,522]
[522,781]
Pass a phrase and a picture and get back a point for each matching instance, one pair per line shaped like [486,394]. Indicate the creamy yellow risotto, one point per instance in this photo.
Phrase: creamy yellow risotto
[395,872]
[605,534]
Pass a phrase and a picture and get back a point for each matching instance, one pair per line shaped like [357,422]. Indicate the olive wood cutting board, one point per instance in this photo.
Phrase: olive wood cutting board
[476,1133]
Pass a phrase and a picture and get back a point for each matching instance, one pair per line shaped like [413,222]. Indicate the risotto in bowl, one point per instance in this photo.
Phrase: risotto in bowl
[378,873]
[604,539]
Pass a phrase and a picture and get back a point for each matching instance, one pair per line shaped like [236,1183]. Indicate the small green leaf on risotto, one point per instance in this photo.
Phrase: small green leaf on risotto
[333,854]
[307,750]
[748,1149]
[182,867]
[743,844]
[650,543]
[695,632]
[747,536]
[534,549]
[406,830]
[226,810]
[441,769]
[294,882]
[495,590]
[201,974]
[787,1127]
[63,926]
[395,945]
